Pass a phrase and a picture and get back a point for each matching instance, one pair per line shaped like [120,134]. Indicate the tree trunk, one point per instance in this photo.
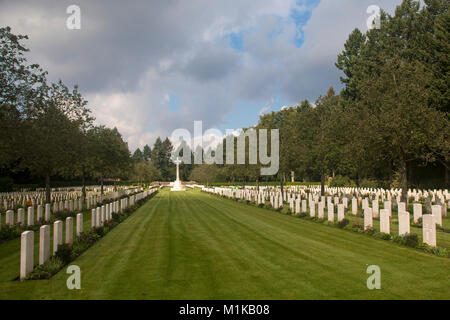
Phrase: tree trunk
[83,190]
[447,175]
[281,183]
[404,179]
[390,171]
[410,172]
[47,188]
[322,184]
[257,184]
[101,184]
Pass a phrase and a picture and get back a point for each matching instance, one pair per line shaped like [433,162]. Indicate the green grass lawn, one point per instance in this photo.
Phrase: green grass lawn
[190,245]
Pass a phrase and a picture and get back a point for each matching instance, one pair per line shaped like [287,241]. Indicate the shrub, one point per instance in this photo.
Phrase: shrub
[79,247]
[357,227]
[439,251]
[398,239]
[46,270]
[341,224]
[9,232]
[411,240]
[342,181]
[348,227]
[65,253]
[382,235]
[100,231]
[369,183]
[369,231]
[83,242]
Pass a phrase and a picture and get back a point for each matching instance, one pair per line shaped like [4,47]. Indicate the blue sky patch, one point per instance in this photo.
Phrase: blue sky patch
[236,41]
[301,18]
[173,102]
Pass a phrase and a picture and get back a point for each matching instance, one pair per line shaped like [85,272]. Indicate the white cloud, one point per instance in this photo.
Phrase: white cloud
[128,61]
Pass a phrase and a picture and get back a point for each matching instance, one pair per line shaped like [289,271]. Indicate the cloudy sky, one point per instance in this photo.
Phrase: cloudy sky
[149,67]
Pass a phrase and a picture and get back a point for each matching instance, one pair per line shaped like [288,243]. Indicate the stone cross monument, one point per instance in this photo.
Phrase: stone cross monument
[177,185]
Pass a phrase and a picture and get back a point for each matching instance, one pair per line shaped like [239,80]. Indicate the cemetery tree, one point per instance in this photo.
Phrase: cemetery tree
[204,173]
[400,118]
[278,120]
[84,162]
[112,156]
[21,86]
[350,64]
[147,153]
[166,164]
[137,156]
[83,146]
[157,154]
[324,145]
[51,128]
[145,171]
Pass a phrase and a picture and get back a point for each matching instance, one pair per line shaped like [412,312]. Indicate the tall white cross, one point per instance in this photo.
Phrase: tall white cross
[177,161]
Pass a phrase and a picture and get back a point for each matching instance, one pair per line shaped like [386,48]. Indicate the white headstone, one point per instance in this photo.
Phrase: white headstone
[20,216]
[40,212]
[312,209]
[30,216]
[388,206]
[57,235]
[385,226]
[437,214]
[354,206]
[47,212]
[330,212]
[93,218]
[44,243]
[403,223]
[69,230]
[368,221]
[79,224]
[26,253]
[98,220]
[9,219]
[320,209]
[417,211]
[341,209]
[429,230]
[375,210]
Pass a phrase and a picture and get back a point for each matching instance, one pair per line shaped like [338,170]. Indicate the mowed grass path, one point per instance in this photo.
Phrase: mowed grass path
[190,245]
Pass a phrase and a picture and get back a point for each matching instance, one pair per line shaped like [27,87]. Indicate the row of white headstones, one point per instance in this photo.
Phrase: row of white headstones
[61,200]
[99,216]
[70,205]
[298,205]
